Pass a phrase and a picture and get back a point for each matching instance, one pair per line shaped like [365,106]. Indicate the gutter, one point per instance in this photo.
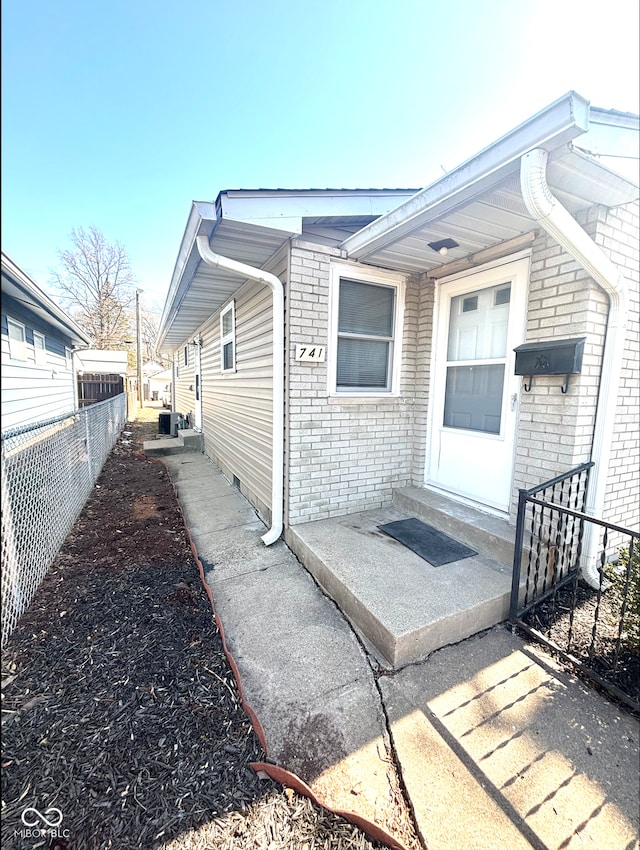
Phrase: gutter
[551,128]
[561,226]
[277,457]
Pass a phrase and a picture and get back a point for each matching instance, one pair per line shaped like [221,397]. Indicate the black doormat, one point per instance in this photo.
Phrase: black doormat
[432,545]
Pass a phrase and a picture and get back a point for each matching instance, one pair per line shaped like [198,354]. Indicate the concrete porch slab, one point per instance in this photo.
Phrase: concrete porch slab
[401,605]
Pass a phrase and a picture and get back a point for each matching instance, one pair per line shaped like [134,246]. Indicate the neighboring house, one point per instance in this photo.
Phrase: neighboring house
[160,387]
[101,374]
[151,380]
[335,345]
[38,338]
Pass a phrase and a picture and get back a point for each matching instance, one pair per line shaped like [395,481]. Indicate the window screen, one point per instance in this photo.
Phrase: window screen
[366,316]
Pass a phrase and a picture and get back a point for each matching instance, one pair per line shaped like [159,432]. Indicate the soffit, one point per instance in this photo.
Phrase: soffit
[204,289]
[497,213]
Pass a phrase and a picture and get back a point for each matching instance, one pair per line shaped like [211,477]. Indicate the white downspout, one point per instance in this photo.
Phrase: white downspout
[562,226]
[277,457]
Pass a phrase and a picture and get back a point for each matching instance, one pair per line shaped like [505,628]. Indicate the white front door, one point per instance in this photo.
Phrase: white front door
[475,393]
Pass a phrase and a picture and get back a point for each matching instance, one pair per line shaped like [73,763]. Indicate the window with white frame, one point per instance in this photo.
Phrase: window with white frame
[39,349]
[228,338]
[68,358]
[17,343]
[186,355]
[366,313]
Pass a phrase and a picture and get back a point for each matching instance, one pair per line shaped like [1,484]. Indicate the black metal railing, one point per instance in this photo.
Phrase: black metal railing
[595,623]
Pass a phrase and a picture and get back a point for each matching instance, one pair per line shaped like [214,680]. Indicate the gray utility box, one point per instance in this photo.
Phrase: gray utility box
[168,423]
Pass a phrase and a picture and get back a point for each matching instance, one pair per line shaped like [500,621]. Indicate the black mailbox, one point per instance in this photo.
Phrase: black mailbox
[553,357]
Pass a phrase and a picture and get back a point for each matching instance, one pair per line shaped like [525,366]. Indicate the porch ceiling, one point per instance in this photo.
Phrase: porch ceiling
[488,216]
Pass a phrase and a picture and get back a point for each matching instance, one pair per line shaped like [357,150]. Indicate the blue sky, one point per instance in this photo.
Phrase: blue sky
[118,114]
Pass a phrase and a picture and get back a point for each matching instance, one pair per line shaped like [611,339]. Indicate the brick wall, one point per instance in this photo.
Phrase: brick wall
[555,431]
[616,231]
[344,455]
[422,383]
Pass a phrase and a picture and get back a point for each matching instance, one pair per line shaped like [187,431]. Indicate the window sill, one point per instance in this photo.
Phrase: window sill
[365,398]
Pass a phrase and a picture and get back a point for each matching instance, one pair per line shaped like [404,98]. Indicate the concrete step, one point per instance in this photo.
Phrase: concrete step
[484,532]
[402,606]
[187,440]
[192,439]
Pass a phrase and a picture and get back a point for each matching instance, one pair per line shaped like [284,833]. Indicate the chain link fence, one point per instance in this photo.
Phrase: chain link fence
[48,471]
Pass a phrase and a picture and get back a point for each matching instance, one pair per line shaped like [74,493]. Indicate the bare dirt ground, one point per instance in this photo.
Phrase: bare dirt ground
[122,725]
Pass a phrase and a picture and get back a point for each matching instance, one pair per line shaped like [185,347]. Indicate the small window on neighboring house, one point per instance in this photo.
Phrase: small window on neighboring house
[228,339]
[39,348]
[365,336]
[186,355]
[17,346]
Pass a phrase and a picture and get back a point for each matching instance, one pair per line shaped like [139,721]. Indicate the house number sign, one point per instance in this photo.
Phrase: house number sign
[310,352]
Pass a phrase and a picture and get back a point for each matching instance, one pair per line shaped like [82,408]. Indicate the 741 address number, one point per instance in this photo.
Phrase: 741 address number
[310,352]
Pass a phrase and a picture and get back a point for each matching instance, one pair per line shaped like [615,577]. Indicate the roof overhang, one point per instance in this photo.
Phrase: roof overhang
[249,226]
[198,290]
[479,205]
[18,285]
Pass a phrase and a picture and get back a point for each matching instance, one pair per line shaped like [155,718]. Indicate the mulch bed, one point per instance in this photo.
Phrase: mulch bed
[616,663]
[120,710]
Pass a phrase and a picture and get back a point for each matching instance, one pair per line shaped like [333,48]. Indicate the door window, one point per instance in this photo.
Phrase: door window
[476,358]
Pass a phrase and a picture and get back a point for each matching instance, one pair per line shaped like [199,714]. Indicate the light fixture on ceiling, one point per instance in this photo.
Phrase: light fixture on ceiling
[442,246]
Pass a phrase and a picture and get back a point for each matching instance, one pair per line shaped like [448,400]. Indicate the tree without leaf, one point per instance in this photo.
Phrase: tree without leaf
[97,285]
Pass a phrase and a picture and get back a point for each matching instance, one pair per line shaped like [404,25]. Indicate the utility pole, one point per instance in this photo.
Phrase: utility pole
[139,349]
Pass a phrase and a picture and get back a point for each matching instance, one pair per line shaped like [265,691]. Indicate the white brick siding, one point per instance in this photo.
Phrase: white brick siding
[617,232]
[344,455]
[347,455]
[555,431]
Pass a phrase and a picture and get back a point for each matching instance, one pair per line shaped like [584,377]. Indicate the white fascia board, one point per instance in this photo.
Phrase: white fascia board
[40,301]
[202,219]
[551,128]
[285,210]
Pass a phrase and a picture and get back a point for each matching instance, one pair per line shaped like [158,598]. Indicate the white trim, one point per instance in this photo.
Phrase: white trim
[462,282]
[40,351]
[228,338]
[379,277]
[17,347]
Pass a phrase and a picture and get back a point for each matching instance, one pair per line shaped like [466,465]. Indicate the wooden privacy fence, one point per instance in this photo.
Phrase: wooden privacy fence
[93,387]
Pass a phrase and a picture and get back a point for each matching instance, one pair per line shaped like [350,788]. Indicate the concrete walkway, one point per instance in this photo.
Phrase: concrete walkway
[496,746]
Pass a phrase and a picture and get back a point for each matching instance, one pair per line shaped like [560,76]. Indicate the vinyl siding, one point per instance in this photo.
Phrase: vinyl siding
[237,407]
[33,393]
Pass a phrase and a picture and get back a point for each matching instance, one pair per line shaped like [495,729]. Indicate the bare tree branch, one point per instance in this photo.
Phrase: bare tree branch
[97,285]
